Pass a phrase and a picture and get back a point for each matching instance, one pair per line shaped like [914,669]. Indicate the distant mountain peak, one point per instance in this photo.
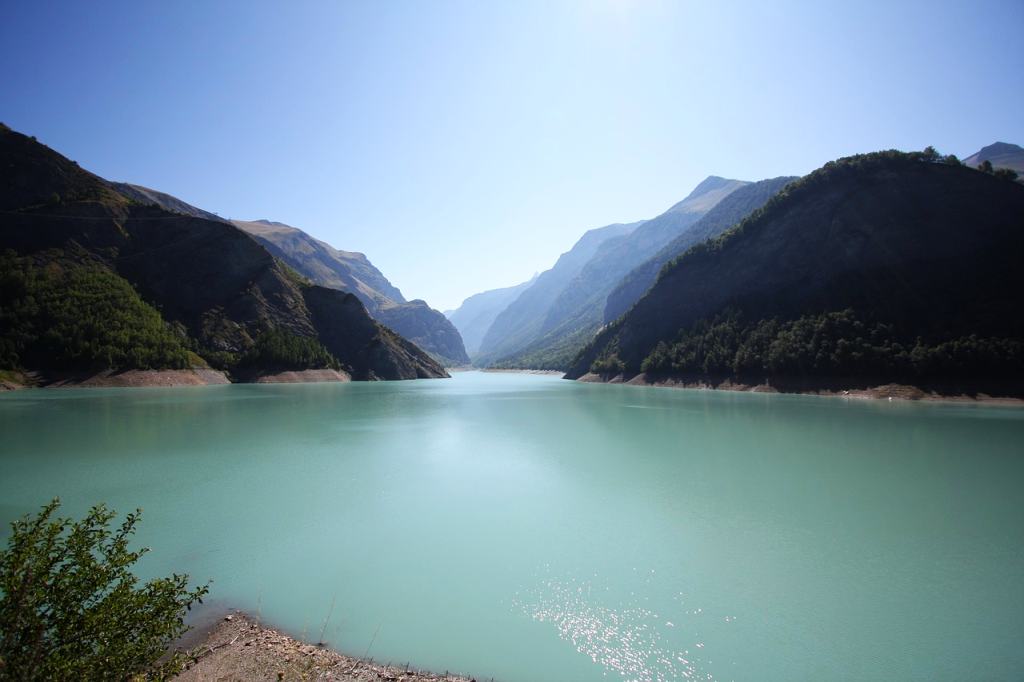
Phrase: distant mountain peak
[1002,148]
[709,192]
[711,182]
[1000,155]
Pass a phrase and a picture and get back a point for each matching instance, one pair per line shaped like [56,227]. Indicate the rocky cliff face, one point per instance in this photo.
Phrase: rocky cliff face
[323,264]
[378,353]
[427,328]
[353,272]
[209,280]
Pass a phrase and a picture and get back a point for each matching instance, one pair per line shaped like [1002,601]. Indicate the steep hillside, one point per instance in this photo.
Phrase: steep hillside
[886,267]
[576,312]
[145,195]
[520,323]
[1000,155]
[353,272]
[131,285]
[654,234]
[477,313]
[427,328]
[729,211]
[324,264]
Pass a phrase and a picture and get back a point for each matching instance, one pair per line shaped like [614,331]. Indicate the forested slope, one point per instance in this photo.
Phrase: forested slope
[885,267]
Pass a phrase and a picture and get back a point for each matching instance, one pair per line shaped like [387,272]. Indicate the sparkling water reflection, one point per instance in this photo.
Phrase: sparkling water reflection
[636,642]
[534,529]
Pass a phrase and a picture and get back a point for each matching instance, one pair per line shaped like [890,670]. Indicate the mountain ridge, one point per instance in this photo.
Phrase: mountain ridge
[334,268]
[352,271]
[1000,155]
[574,313]
[477,313]
[726,213]
[124,284]
[861,271]
[517,323]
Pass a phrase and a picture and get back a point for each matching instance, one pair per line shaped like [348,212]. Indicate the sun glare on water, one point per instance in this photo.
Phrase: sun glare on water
[637,642]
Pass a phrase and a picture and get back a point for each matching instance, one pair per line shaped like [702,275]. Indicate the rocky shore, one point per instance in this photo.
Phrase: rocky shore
[552,372]
[136,378]
[304,376]
[239,648]
[881,392]
[115,379]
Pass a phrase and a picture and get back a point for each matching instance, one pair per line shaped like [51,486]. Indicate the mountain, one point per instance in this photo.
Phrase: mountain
[427,328]
[726,213]
[145,195]
[520,322]
[885,267]
[575,313]
[477,313]
[323,264]
[1000,155]
[353,272]
[348,271]
[97,279]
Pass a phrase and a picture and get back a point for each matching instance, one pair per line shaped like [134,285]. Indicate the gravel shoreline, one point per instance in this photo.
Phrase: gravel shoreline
[238,648]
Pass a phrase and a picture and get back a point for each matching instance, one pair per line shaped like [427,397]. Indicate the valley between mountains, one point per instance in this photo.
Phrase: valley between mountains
[877,269]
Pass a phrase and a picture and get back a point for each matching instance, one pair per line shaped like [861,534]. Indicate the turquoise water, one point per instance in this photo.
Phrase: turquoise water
[529,528]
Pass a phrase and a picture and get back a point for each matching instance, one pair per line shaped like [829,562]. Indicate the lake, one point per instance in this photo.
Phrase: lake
[529,528]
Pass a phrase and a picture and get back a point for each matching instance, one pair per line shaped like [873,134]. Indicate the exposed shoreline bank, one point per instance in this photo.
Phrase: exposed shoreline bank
[546,372]
[168,378]
[305,376]
[121,379]
[148,378]
[880,392]
[236,646]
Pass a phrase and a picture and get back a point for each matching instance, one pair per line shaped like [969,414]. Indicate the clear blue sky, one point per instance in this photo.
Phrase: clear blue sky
[463,145]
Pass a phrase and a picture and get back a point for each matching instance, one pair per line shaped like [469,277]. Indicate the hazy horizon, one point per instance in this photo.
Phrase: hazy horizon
[463,147]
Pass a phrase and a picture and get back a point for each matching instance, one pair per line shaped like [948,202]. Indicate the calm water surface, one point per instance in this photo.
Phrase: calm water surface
[531,528]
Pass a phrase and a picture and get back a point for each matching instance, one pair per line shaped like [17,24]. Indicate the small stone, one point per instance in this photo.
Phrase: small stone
[229,618]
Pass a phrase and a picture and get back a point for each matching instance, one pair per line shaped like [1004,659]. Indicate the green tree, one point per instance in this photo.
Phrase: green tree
[71,608]
[985,166]
[79,315]
[281,349]
[608,366]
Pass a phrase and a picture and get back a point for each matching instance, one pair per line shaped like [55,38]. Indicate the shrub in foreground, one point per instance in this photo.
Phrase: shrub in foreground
[71,608]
